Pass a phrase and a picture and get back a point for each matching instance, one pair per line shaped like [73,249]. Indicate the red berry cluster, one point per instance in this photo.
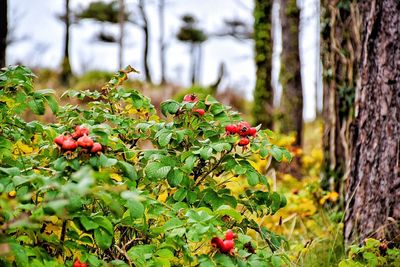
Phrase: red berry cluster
[243,129]
[227,245]
[78,263]
[78,138]
[194,99]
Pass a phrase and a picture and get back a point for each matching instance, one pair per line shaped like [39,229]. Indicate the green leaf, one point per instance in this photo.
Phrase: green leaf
[206,152]
[276,202]
[165,253]
[263,152]
[156,170]
[180,194]
[276,152]
[52,103]
[128,169]
[12,171]
[231,212]
[287,155]
[169,107]
[136,208]
[164,139]
[141,252]
[252,178]
[21,257]
[105,223]
[88,224]
[175,177]
[107,162]
[37,106]
[103,238]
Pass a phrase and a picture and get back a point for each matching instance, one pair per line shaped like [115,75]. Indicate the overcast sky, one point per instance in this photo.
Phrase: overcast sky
[37,21]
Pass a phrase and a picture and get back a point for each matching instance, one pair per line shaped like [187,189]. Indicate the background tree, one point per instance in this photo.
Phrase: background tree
[340,46]
[3,32]
[263,92]
[190,33]
[146,42]
[162,44]
[372,191]
[113,12]
[66,70]
[290,75]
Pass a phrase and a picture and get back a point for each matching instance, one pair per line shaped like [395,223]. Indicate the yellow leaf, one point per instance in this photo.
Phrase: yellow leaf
[116,177]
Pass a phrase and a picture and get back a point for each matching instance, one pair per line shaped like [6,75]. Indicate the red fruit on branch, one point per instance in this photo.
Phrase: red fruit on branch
[97,147]
[85,142]
[231,129]
[244,141]
[78,263]
[190,98]
[227,246]
[69,145]
[217,242]
[243,128]
[59,140]
[80,131]
[199,111]
[229,235]
[252,131]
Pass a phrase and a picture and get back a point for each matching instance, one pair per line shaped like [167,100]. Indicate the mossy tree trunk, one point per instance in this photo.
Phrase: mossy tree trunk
[340,52]
[263,92]
[290,76]
[373,188]
[66,71]
[3,32]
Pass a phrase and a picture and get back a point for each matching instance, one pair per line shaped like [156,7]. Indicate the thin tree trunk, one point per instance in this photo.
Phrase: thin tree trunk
[290,76]
[198,62]
[193,63]
[162,45]
[373,188]
[146,41]
[263,92]
[66,72]
[340,51]
[3,32]
[121,18]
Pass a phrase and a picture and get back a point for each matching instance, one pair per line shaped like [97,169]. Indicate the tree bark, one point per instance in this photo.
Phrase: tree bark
[3,32]
[121,18]
[162,45]
[66,71]
[146,41]
[340,50]
[193,64]
[373,188]
[263,92]
[290,76]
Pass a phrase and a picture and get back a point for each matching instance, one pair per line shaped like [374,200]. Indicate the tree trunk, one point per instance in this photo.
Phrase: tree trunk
[3,32]
[340,51]
[373,188]
[121,18]
[193,63]
[66,71]
[263,92]
[290,76]
[161,18]
[146,41]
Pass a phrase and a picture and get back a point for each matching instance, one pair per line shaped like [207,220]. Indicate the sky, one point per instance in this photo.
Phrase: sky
[40,33]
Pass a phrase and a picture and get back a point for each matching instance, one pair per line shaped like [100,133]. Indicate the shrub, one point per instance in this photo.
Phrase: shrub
[155,192]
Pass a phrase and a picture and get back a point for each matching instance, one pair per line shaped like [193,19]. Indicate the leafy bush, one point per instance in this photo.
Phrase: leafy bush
[155,192]
[373,253]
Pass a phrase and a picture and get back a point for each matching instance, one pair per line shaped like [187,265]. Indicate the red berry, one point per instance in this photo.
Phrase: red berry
[59,140]
[80,131]
[69,145]
[227,246]
[85,142]
[190,98]
[252,131]
[229,235]
[244,141]
[96,148]
[231,129]
[243,128]
[199,111]
[217,242]
[78,263]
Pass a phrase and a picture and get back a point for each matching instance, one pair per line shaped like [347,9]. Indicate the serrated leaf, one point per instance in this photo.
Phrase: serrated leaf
[180,194]
[169,107]
[164,139]
[156,170]
[128,169]
[276,152]
[231,212]
[103,238]
[252,178]
[136,208]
